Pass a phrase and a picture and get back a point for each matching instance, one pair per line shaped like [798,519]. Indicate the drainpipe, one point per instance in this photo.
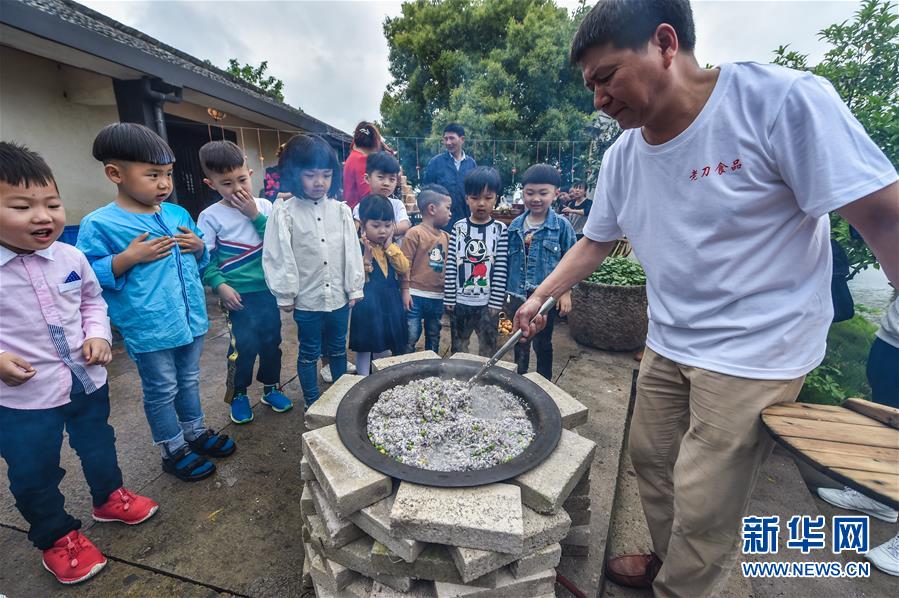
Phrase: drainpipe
[159,99]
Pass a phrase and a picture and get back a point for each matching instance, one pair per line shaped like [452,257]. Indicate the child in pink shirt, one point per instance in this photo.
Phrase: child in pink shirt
[54,344]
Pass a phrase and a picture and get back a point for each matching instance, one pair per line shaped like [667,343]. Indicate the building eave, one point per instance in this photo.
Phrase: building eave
[46,25]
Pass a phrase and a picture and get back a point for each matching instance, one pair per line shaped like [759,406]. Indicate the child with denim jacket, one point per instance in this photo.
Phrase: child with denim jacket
[147,254]
[537,241]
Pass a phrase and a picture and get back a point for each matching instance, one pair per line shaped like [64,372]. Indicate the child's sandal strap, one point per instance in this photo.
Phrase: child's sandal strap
[189,466]
[215,445]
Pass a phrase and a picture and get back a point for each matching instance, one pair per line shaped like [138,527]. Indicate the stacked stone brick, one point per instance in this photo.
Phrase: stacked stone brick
[369,536]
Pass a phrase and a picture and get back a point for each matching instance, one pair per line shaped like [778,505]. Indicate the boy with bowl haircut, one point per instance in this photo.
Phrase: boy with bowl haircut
[475,284]
[233,229]
[425,246]
[538,239]
[54,343]
[155,295]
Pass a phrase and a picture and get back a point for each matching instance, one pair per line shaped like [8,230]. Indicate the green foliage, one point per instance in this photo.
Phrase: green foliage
[863,66]
[619,271]
[499,67]
[842,374]
[255,75]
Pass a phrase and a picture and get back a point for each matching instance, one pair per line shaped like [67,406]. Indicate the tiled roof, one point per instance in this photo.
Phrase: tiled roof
[77,14]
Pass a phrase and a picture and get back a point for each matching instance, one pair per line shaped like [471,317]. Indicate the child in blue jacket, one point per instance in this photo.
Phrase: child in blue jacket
[537,241]
[147,255]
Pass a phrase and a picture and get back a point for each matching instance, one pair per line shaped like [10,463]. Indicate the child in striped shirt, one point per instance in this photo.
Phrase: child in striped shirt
[475,282]
[233,229]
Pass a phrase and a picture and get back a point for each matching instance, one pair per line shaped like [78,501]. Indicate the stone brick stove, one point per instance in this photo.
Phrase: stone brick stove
[368,535]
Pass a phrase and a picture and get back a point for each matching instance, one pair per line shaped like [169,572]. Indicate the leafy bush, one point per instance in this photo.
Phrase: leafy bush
[842,373]
[619,271]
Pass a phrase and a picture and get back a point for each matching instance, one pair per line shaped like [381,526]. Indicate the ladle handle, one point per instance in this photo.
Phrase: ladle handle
[544,309]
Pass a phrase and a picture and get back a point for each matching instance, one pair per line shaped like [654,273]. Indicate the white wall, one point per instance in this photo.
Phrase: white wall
[35,111]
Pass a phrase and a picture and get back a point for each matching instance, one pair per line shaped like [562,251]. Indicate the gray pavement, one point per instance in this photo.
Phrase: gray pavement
[239,532]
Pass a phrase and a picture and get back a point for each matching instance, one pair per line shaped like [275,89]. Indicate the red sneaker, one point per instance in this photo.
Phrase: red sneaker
[127,507]
[73,559]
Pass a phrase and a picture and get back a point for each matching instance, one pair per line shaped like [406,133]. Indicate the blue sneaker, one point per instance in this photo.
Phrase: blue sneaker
[240,410]
[277,401]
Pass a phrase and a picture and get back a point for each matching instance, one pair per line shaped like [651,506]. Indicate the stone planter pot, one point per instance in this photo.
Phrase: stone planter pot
[609,317]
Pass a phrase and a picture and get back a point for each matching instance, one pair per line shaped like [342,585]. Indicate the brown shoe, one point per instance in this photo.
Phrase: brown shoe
[633,570]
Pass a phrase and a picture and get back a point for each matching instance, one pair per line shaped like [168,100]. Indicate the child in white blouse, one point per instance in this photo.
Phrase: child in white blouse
[311,258]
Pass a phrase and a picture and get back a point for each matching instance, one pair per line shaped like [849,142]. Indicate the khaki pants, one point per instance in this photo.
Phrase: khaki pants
[697,443]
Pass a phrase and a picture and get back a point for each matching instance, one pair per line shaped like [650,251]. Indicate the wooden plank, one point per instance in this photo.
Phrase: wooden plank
[879,483]
[882,413]
[857,462]
[782,426]
[843,448]
[818,413]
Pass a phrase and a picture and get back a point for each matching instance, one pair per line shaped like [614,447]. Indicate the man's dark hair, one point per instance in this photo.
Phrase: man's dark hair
[480,178]
[131,142]
[375,207]
[303,152]
[383,162]
[631,23]
[219,157]
[431,194]
[541,174]
[454,128]
[576,184]
[21,166]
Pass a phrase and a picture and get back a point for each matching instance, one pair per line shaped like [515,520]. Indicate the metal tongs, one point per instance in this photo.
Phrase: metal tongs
[544,309]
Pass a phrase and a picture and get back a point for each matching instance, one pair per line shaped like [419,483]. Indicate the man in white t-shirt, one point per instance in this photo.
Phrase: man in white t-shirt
[722,181]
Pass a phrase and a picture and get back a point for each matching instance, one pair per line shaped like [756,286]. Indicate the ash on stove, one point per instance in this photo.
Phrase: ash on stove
[442,425]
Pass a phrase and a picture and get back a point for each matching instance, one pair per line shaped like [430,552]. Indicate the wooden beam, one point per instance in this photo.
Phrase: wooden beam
[882,413]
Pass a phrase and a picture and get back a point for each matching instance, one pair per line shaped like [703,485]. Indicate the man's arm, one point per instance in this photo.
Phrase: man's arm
[579,262]
[876,217]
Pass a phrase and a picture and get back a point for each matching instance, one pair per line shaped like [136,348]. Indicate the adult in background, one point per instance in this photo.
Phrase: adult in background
[366,140]
[883,377]
[449,169]
[578,208]
[722,181]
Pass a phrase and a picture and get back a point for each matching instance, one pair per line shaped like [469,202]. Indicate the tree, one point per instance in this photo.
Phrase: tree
[863,66]
[255,75]
[499,67]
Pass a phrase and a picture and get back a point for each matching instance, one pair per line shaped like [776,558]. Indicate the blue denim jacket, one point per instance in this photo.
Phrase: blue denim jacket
[549,244]
[155,305]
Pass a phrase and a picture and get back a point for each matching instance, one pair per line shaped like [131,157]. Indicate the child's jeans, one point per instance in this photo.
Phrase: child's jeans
[310,325]
[257,332]
[30,441]
[171,383]
[542,341]
[467,319]
[429,310]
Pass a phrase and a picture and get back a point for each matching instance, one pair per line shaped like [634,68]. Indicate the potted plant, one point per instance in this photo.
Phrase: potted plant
[608,308]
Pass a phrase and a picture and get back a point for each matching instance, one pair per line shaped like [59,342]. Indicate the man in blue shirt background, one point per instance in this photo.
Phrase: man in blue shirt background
[449,169]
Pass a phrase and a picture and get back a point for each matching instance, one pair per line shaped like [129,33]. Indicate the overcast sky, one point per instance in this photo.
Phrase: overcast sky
[332,55]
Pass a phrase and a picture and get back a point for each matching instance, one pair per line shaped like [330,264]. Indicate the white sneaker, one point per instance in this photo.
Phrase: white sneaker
[886,556]
[326,373]
[847,498]
[350,367]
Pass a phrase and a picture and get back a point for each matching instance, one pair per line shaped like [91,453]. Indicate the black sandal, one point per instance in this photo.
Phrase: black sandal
[213,445]
[187,465]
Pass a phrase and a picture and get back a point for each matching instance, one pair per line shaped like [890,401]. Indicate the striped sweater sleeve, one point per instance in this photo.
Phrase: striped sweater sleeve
[500,269]
[451,272]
